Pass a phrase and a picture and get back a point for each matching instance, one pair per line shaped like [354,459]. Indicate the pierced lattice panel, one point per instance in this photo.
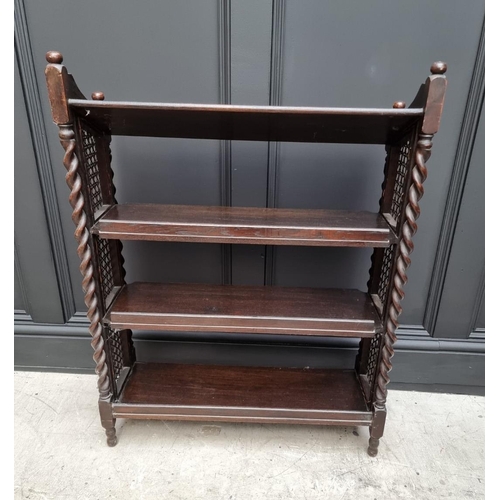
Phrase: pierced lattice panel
[373,357]
[91,166]
[105,267]
[385,274]
[399,191]
[115,351]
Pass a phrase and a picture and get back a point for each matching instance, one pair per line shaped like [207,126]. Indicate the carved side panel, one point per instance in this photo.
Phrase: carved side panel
[116,351]
[385,275]
[98,189]
[116,355]
[84,249]
[373,359]
[97,175]
[91,165]
[399,187]
[399,162]
[402,262]
[106,275]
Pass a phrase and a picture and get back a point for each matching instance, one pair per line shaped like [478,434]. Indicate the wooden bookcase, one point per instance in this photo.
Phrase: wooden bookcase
[131,389]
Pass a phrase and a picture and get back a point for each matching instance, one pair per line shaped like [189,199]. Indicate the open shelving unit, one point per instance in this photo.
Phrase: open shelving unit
[129,388]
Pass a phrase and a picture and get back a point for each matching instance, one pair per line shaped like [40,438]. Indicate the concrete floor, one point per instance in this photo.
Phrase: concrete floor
[433,448]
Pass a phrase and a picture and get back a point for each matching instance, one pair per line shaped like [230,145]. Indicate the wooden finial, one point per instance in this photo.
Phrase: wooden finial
[98,96]
[439,68]
[54,57]
[399,105]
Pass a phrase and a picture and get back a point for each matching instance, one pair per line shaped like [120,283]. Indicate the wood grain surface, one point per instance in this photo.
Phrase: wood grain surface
[259,226]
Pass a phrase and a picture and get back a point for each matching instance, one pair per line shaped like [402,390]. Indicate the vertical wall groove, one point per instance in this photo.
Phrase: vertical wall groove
[476,309]
[21,280]
[43,162]
[275,99]
[458,179]
[224,7]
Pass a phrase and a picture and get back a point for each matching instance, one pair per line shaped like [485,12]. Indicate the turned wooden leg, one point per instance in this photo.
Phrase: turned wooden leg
[373,446]
[110,432]
[376,430]
[107,421]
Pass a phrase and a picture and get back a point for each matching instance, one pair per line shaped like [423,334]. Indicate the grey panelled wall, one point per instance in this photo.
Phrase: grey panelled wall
[372,56]
[19,302]
[368,53]
[249,38]
[36,285]
[460,311]
[176,46]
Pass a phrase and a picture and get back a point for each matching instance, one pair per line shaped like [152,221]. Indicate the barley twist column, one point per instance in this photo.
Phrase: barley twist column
[403,261]
[82,235]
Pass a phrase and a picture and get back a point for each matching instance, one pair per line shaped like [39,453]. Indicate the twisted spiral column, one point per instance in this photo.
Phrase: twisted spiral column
[82,235]
[403,261]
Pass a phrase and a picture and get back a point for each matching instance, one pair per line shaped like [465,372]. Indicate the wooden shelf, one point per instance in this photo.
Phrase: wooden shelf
[244,309]
[249,123]
[243,394]
[260,226]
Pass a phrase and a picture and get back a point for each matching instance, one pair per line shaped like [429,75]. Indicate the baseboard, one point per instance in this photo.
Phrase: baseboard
[420,362]
[470,390]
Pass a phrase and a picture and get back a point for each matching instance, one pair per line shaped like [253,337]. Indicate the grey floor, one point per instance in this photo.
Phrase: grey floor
[433,448]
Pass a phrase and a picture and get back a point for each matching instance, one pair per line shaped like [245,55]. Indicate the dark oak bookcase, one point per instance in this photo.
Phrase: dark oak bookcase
[129,388]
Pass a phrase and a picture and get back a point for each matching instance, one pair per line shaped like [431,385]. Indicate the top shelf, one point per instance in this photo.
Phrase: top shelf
[250,123]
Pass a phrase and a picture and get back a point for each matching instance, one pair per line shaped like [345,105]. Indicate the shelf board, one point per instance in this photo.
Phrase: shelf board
[243,394]
[249,123]
[258,226]
[244,309]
